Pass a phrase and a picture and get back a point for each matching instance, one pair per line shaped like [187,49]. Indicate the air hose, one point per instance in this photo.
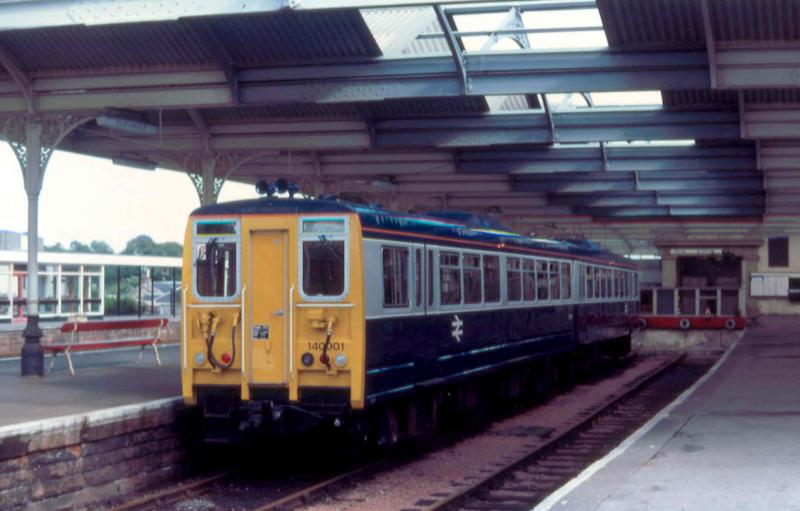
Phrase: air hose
[324,357]
[212,334]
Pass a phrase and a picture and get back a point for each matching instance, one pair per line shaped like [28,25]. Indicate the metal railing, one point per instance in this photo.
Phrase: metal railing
[691,301]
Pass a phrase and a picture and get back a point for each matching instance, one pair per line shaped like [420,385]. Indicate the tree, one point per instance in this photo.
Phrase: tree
[58,247]
[101,247]
[142,245]
[77,246]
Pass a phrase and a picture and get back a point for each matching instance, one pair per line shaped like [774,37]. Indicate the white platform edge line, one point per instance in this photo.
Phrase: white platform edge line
[86,418]
[104,350]
[556,497]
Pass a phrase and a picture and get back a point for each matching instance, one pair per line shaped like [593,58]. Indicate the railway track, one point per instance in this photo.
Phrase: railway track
[516,485]
[527,480]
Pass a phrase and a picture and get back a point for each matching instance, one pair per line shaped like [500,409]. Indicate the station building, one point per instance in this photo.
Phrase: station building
[74,284]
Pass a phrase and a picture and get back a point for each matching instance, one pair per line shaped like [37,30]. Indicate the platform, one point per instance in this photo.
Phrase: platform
[104,379]
[731,444]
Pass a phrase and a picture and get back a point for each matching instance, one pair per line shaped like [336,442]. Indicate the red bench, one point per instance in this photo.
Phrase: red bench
[75,328]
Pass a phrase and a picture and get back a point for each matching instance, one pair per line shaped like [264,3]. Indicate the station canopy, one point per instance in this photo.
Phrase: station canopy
[625,121]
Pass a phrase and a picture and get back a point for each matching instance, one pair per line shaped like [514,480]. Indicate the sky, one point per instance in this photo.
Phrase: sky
[85,199]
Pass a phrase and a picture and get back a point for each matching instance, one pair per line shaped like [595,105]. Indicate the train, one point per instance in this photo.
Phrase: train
[300,313]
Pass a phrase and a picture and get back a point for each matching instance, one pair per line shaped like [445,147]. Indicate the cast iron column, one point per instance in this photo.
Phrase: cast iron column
[32,360]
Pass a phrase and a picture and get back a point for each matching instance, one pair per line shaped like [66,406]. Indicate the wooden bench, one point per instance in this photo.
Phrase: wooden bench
[76,327]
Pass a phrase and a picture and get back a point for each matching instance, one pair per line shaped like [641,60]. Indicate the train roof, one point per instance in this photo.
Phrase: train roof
[456,226]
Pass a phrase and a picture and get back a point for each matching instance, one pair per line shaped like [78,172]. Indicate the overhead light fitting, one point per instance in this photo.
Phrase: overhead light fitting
[128,122]
[133,162]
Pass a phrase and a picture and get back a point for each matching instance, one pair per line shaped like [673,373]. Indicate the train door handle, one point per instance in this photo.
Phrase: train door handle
[278,313]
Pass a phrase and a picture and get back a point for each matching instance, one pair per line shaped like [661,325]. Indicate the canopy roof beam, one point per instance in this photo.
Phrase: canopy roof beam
[522,72]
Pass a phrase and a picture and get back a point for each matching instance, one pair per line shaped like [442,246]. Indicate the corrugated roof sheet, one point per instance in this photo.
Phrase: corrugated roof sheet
[83,48]
[701,98]
[281,37]
[755,20]
[772,96]
[292,36]
[679,23]
[652,22]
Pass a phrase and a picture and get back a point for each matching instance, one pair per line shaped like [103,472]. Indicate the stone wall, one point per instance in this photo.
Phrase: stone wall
[11,340]
[86,461]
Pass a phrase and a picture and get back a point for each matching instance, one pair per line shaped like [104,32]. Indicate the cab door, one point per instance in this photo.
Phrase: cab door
[268,320]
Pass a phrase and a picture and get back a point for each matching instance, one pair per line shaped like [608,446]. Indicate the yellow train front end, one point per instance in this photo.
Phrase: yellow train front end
[272,319]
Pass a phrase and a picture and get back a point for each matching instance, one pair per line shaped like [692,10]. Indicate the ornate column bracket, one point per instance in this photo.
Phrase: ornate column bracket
[44,131]
[204,170]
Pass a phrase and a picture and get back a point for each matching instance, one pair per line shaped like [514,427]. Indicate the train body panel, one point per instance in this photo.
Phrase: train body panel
[264,317]
[328,309]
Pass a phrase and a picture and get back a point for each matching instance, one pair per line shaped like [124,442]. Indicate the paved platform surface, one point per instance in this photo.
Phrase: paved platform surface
[733,444]
[104,379]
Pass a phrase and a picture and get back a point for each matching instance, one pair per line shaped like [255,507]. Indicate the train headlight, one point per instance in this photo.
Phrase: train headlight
[341,360]
[307,359]
[199,358]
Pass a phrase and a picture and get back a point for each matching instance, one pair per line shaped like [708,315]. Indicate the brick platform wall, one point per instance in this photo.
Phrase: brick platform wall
[11,341]
[85,462]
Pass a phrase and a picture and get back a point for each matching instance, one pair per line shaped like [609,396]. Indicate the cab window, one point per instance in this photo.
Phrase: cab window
[216,269]
[216,258]
[323,267]
[323,249]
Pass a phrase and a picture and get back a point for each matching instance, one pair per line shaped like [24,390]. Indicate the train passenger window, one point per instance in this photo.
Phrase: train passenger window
[513,279]
[529,280]
[472,278]
[589,279]
[418,276]
[430,279]
[450,278]
[395,277]
[566,281]
[542,281]
[216,269]
[601,282]
[491,278]
[323,267]
[609,283]
[555,283]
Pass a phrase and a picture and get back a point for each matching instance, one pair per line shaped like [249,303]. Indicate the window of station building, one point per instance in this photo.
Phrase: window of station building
[472,279]
[491,278]
[395,277]
[450,278]
[418,276]
[513,279]
[70,290]
[529,280]
[542,281]
[778,251]
[555,281]
[598,282]
[566,281]
[216,268]
[91,289]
